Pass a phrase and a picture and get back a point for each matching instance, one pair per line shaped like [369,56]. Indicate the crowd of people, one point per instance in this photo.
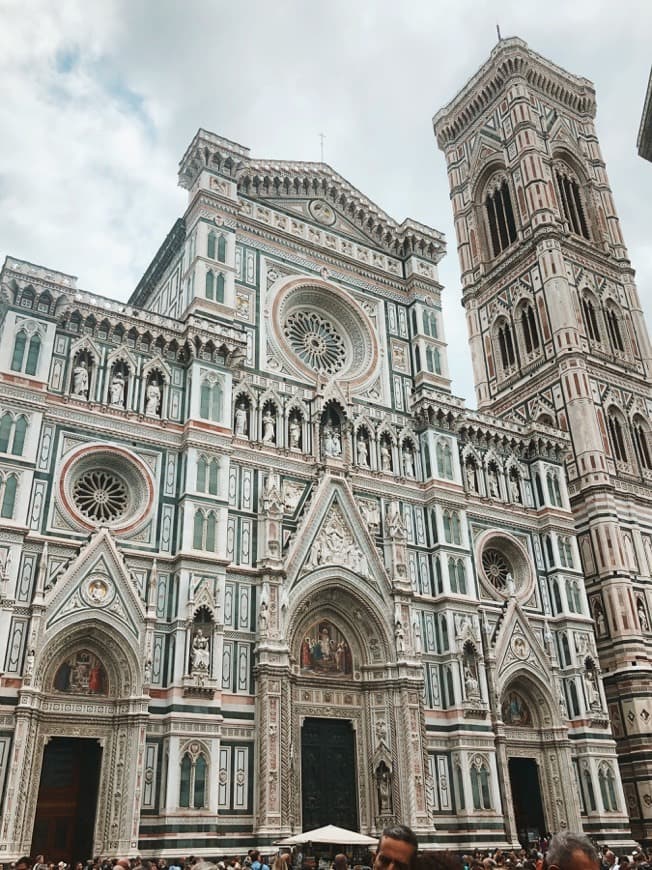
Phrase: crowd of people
[397,849]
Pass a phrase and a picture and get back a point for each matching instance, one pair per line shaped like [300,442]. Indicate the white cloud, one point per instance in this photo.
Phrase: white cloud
[101,99]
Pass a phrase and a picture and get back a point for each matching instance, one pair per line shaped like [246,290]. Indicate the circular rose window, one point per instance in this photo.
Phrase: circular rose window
[319,329]
[506,564]
[106,486]
[102,496]
[496,567]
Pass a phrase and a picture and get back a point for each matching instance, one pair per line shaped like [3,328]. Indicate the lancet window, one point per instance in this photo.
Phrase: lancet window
[571,201]
[529,328]
[641,432]
[193,778]
[590,318]
[12,434]
[26,353]
[480,784]
[607,782]
[8,487]
[617,436]
[500,217]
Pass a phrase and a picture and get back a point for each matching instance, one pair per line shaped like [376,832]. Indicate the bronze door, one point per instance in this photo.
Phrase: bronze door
[328,774]
[526,796]
[67,799]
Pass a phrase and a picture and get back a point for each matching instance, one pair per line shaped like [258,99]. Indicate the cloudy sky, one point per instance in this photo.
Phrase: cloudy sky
[99,101]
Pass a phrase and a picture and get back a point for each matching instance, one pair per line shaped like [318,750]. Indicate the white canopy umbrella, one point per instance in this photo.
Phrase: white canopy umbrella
[332,835]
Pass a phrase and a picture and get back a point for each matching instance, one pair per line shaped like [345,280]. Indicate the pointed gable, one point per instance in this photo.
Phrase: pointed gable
[517,646]
[97,584]
[333,533]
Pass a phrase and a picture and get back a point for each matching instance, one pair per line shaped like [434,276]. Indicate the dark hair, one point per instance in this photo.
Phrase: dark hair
[561,848]
[26,859]
[400,832]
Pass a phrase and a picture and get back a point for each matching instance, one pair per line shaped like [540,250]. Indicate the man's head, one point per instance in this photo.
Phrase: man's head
[25,863]
[397,849]
[568,851]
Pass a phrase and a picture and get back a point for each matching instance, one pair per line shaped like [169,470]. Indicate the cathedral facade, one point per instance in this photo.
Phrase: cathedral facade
[260,569]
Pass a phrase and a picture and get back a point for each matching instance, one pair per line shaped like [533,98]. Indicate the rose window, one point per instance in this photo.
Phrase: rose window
[106,485]
[496,568]
[319,330]
[101,496]
[315,341]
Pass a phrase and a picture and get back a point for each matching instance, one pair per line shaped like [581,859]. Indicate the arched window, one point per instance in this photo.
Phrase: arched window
[461,577]
[211,530]
[565,552]
[573,596]
[202,466]
[607,788]
[219,288]
[430,323]
[641,433]
[9,497]
[549,551]
[193,779]
[438,581]
[529,328]
[433,360]
[500,216]
[459,783]
[33,353]
[210,401]
[590,318]
[210,284]
[617,436]
[221,249]
[480,784]
[573,700]
[554,492]
[211,245]
[571,202]
[565,650]
[506,345]
[444,459]
[588,790]
[443,633]
[556,595]
[613,326]
[19,351]
[198,531]
[452,574]
[447,687]
[213,477]
[452,528]
[20,430]
[6,423]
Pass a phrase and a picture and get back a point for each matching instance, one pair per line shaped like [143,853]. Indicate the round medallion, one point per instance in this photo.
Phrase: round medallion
[97,590]
[322,212]
[519,646]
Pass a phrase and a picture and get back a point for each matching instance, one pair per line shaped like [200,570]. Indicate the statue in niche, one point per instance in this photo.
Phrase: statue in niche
[399,635]
[295,432]
[117,389]
[471,478]
[363,451]
[269,427]
[153,400]
[408,461]
[470,667]
[515,489]
[263,617]
[200,656]
[332,440]
[642,615]
[394,520]
[492,474]
[81,674]
[325,651]
[80,379]
[600,620]
[241,420]
[384,786]
[385,456]
[592,693]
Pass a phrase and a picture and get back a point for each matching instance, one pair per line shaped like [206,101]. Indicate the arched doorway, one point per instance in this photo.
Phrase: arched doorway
[351,713]
[536,761]
[81,722]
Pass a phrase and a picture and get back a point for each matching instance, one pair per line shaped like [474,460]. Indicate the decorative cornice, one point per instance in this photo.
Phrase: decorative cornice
[511,58]
[298,179]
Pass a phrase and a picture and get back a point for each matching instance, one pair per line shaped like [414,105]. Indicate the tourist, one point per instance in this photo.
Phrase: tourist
[397,849]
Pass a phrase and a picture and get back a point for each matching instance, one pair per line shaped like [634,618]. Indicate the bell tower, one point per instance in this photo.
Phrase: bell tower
[557,335]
